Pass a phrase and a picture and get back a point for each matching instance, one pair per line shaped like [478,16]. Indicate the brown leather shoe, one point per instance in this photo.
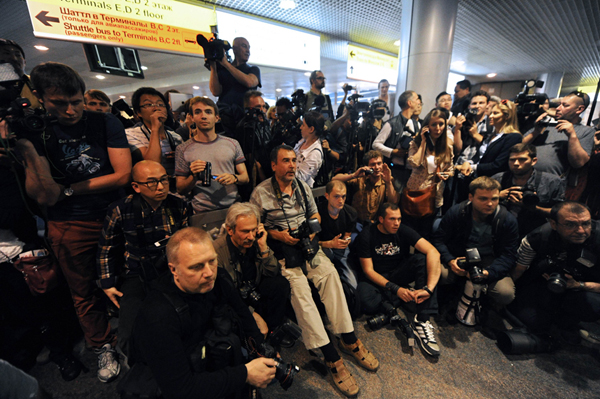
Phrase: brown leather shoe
[363,356]
[342,379]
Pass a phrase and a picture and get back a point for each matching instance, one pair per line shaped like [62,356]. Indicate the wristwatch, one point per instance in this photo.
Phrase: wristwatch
[264,252]
[68,191]
[581,285]
[426,288]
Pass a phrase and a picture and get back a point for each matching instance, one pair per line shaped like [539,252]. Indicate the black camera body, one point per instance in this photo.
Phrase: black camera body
[471,115]
[530,198]
[547,121]
[369,171]
[214,49]
[249,293]
[378,321]
[303,233]
[284,372]
[557,269]
[472,264]
[23,123]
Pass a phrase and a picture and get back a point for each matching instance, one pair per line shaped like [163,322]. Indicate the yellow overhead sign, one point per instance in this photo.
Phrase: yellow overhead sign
[147,24]
[370,65]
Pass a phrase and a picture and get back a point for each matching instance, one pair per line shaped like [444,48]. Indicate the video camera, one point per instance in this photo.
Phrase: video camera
[303,233]
[558,269]
[214,49]
[284,372]
[24,125]
[472,264]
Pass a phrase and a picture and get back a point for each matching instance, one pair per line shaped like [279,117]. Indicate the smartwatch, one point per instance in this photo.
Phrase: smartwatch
[68,191]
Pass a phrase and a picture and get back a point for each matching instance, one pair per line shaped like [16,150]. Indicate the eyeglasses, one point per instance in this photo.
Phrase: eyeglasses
[152,184]
[573,225]
[321,78]
[158,105]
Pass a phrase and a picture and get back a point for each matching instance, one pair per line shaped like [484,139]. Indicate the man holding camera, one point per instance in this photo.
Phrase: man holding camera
[136,229]
[557,276]
[291,219]
[566,143]
[76,169]
[244,253]
[483,224]
[528,193]
[369,187]
[229,81]
[395,136]
[384,253]
[184,333]
[15,82]
[209,165]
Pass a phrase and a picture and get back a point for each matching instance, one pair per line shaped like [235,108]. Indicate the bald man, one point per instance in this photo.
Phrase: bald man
[161,214]
[229,81]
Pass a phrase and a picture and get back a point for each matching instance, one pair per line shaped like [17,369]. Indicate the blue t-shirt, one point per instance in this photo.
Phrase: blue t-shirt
[77,153]
[232,91]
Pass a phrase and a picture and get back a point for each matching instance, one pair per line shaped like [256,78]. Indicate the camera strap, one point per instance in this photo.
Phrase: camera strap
[279,195]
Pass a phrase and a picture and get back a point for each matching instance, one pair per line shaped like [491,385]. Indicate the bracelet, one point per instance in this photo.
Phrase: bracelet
[426,288]
[236,178]
[392,287]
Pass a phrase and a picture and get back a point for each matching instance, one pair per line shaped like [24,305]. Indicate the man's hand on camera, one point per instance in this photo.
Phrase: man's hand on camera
[484,273]
[337,242]
[515,195]
[284,236]
[260,372]
[455,268]
[537,128]
[113,294]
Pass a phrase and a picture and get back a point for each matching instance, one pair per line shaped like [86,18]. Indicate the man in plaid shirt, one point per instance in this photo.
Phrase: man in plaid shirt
[136,229]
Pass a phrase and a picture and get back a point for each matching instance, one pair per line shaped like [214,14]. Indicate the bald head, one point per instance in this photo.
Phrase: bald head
[241,50]
[145,168]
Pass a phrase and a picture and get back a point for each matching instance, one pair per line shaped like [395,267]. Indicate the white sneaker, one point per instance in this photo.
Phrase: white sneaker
[425,337]
[108,363]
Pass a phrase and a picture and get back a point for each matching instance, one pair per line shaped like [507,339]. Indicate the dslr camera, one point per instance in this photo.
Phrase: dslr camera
[249,293]
[472,264]
[530,198]
[21,121]
[214,49]
[378,321]
[284,372]
[557,282]
[303,233]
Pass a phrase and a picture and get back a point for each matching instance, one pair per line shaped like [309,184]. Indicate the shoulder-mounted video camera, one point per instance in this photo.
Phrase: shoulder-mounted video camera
[24,123]
[214,48]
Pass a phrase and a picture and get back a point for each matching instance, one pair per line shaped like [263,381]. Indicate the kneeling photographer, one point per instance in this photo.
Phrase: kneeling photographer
[479,238]
[527,193]
[189,334]
[557,273]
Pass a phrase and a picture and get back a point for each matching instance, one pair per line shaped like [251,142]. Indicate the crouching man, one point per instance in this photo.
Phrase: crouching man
[183,323]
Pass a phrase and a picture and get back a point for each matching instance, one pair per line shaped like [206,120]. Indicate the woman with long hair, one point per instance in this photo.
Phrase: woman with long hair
[430,158]
[493,152]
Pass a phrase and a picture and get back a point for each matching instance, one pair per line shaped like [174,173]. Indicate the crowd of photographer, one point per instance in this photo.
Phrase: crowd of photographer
[461,211]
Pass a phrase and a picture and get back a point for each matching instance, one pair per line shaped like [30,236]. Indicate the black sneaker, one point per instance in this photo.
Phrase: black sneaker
[425,338]
[68,366]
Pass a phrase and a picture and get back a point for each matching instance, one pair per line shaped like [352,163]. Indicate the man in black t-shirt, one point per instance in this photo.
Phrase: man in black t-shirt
[338,221]
[384,253]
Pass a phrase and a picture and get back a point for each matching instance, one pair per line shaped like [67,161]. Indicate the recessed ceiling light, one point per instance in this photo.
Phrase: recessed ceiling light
[491,75]
[397,43]
[122,97]
[100,77]
[277,90]
[306,73]
[287,4]
[41,48]
[144,68]
[196,87]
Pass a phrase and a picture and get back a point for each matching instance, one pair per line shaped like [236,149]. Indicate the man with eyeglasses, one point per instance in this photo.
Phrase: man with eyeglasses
[76,169]
[317,83]
[136,230]
[566,144]
[152,139]
[557,273]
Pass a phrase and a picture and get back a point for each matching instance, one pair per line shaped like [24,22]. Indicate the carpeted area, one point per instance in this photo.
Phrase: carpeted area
[470,366]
